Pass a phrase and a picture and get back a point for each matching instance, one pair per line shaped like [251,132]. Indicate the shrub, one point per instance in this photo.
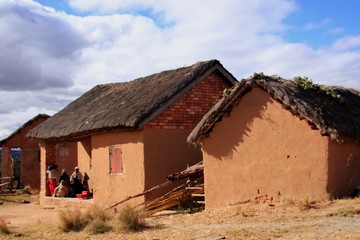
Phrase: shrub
[97,226]
[96,213]
[131,220]
[3,227]
[98,220]
[72,220]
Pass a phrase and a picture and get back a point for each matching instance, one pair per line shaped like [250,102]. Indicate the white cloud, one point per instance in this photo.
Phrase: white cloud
[49,58]
[314,25]
[37,48]
[347,43]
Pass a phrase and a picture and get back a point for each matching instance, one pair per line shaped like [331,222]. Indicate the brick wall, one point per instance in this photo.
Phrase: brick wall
[30,165]
[50,153]
[189,109]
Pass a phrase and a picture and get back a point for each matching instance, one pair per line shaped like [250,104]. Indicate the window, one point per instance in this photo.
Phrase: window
[116,161]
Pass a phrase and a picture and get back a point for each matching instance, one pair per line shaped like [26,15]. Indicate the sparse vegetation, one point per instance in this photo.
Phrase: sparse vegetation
[346,212]
[285,218]
[98,221]
[307,203]
[96,213]
[258,75]
[73,220]
[3,227]
[97,226]
[130,219]
[306,83]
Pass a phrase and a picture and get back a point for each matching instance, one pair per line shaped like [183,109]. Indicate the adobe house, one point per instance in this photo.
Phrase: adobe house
[277,138]
[131,135]
[28,152]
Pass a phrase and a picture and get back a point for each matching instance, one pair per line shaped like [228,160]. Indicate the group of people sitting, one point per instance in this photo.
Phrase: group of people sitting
[65,185]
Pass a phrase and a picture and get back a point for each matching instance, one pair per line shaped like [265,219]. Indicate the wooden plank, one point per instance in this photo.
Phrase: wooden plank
[198,195]
[3,184]
[194,188]
[5,178]
[140,194]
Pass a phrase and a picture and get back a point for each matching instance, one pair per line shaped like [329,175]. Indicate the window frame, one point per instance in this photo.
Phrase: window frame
[119,169]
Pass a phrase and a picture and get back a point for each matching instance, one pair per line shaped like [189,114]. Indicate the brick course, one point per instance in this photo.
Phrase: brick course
[189,109]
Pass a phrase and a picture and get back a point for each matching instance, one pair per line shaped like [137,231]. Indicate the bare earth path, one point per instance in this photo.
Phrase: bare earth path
[28,215]
[283,220]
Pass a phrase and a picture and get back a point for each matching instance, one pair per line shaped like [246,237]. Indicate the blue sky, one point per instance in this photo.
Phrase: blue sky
[321,22]
[56,50]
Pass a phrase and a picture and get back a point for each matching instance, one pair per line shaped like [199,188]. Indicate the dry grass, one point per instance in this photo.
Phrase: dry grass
[98,226]
[288,219]
[307,203]
[130,219]
[72,220]
[99,221]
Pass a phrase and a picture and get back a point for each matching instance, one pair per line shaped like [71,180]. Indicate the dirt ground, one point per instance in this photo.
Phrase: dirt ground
[288,219]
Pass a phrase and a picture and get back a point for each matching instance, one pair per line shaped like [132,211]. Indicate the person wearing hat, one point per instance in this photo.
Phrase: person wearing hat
[75,180]
[65,178]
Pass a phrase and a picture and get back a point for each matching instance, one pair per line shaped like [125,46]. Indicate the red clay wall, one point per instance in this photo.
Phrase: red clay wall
[111,188]
[6,162]
[85,160]
[262,149]
[30,159]
[343,168]
[166,148]
[166,152]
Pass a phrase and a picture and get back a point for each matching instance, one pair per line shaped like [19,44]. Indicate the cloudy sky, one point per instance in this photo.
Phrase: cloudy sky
[52,51]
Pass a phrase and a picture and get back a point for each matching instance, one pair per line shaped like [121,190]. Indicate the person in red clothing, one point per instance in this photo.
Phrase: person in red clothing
[52,178]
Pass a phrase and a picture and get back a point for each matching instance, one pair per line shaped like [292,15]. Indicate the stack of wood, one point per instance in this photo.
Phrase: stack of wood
[8,184]
[183,193]
[194,171]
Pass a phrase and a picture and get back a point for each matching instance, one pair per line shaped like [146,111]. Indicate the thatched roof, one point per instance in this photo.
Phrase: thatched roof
[333,110]
[126,104]
[44,116]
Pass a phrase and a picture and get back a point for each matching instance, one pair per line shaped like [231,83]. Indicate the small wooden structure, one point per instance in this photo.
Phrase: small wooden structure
[8,184]
[187,193]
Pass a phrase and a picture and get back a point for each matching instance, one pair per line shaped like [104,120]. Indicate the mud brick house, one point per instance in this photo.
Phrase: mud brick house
[27,169]
[131,135]
[277,138]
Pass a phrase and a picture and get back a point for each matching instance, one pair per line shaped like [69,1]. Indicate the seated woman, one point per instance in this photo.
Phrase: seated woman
[61,190]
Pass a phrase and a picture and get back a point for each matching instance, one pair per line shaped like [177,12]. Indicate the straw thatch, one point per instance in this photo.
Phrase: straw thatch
[44,116]
[333,110]
[127,104]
